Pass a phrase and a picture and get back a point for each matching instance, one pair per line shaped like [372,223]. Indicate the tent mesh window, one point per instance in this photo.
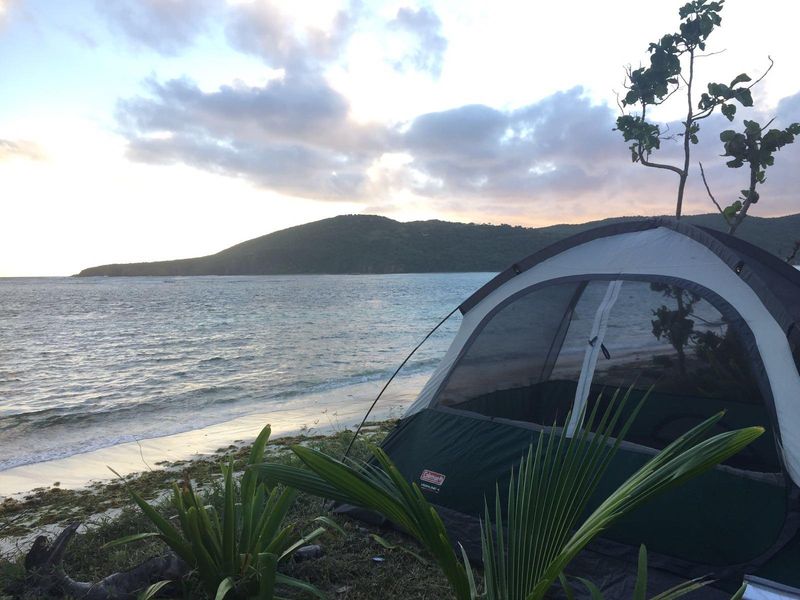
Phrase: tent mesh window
[507,369]
[525,362]
[670,339]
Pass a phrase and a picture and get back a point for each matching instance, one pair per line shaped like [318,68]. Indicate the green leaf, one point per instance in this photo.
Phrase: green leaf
[719,89]
[267,532]
[730,211]
[229,553]
[267,568]
[225,586]
[131,538]
[152,590]
[384,490]
[682,589]
[568,591]
[640,590]
[171,537]
[306,539]
[300,585]
[211,571]
[399,547]
[744,96]
[594,591]
[473,588]
[548,494]
[742,78]
[752,128]
[729,110]
[330,523]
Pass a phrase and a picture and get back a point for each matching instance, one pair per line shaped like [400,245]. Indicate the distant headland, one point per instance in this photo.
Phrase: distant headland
[373,244]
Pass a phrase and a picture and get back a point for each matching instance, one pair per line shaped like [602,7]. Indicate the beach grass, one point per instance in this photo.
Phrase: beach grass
[350,567]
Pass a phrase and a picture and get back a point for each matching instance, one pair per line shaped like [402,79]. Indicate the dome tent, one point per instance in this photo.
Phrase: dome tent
[711,322]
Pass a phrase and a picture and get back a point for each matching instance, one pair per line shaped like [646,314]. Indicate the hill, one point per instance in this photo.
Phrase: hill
[372,244]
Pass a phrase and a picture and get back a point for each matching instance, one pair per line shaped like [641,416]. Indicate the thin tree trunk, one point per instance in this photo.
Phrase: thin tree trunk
[737,220]
[686,138]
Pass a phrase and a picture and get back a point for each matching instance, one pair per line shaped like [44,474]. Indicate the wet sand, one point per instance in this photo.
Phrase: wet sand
[318,413]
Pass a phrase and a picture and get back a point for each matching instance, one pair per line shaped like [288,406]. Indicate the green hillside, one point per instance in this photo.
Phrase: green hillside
[372,244]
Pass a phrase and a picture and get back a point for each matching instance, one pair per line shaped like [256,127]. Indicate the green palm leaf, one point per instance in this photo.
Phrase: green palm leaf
[548,494]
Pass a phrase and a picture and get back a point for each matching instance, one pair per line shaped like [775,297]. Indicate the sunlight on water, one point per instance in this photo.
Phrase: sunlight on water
[88,363]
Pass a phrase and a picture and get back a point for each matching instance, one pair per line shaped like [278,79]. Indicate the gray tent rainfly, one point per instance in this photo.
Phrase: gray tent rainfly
[709,321]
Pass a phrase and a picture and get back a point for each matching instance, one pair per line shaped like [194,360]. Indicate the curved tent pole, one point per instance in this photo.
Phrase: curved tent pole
[402,364]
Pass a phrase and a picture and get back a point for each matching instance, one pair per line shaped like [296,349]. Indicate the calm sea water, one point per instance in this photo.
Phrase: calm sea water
[89,363]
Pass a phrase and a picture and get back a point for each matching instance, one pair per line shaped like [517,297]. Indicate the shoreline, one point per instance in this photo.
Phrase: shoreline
[318,413]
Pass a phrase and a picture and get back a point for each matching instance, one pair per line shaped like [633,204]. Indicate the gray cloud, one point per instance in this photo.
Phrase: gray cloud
[262,30]
[557,157]
[293,134]
[258,28]
[20,149]
[788,110]
[561,156]
[559,143]
[164,26]
[425,27]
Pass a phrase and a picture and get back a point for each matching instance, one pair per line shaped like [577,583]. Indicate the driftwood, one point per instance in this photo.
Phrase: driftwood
[45,572]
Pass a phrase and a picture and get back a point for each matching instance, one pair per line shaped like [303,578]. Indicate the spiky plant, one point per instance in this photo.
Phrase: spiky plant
[547,496]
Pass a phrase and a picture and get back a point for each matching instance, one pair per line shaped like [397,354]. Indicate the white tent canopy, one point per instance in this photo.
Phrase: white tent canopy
[619,258]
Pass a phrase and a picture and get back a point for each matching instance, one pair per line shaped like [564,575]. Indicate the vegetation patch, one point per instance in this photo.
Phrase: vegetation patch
[353,564]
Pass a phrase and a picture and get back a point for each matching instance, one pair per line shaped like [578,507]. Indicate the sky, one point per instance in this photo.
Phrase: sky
[138,130]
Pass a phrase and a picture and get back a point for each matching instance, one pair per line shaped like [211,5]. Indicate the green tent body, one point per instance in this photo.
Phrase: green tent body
[709,322]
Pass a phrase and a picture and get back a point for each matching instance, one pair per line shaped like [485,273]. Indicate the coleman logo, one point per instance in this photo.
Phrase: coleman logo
[432,477]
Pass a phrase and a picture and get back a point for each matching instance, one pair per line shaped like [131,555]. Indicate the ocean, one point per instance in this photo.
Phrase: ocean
[93,363]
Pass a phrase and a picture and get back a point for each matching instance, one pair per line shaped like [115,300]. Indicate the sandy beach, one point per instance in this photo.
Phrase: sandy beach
[318,413]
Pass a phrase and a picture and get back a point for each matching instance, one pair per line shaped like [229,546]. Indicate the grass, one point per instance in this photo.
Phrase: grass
[345,571]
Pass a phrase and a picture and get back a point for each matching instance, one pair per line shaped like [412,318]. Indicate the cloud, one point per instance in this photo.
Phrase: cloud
[560,143]
[557,157]
[20,149]
[425,27]
[166,26]
[293,134]
[263,30]
[788,110]
[560,156]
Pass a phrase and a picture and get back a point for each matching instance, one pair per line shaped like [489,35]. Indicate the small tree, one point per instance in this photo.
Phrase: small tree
[756,149]
[672,68]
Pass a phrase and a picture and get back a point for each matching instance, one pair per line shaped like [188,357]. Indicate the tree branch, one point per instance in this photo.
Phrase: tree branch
[711,53]
[665,98]
[710,195]
[704,115]
[45,572]
[771,64]
[647,163]
[737,220]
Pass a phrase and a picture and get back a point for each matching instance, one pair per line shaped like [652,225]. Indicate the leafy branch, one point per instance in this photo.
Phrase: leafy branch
[672,68]
[756,148]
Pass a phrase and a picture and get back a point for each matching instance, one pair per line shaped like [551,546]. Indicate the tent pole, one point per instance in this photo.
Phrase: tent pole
[402,364]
